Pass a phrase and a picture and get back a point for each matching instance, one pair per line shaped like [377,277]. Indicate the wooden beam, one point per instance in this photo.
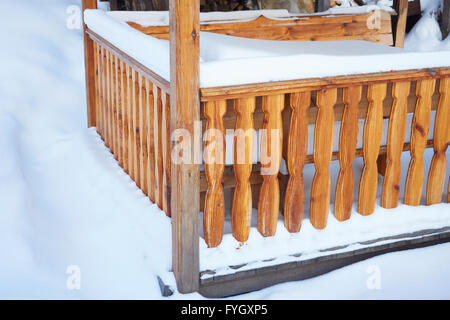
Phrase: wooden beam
[445,20]
[401,6]
[89,65]
[185,111]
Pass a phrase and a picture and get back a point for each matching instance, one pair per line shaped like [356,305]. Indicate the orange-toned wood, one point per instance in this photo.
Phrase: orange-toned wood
[137,130]
[296,154]
[113,105]
[103,92]
[98,101]
[436,175]
[306,28]
[401,6]
[150,140]
[108,133]
[119,110]
[281,87]
[89,64]
[419,134]
[149,74]
[373,130]
[241,211]
[121,118]
[214,158]
[126,118]
[396,139]
[323,147]
[157,133]
[348,139]
[130,121]
[143,130]
[166,151]
[271,153]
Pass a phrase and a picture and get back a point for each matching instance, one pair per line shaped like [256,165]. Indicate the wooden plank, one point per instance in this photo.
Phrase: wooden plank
[185,107]
[151,140]
[301,85]
[119,110]
[348,139]
[98,100]
[373,131]
[436,175]
[296,154]
[107,100]
[136,132]
[157,133]
[166,151]
[241,211]
[130,94]
[126,119]
[113,100]
[270,155]
[305,28]
[89,65]
[103,92]
[144,128]
[214,159]
[401,6]
[323,148]
[419,134]
[139,67]
[396,139]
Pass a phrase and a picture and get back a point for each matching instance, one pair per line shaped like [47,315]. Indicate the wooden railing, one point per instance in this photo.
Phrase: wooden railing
[288,107]
[132,112]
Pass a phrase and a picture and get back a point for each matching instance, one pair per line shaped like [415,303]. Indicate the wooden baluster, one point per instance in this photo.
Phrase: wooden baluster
[143,125]
[158,147]
[373,131]
[297,149]
[120,103]
[348,139]
[97,87]
[126,118]
[136,133]
[241,211]
[131,127]
[395,142]
[151,141]
[103,93]
[419,135]
[436,175]
[113,100]
[271,153]
[108,100]
[214,157]
[323,147]
[166,151]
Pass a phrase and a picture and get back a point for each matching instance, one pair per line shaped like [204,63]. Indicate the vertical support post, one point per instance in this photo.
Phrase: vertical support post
[185,111]
[89,66]
[399,22]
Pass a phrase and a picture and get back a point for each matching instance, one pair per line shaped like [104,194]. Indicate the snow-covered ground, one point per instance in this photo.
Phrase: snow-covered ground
[66,208]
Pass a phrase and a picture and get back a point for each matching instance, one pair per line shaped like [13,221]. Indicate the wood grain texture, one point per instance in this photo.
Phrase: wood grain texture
[130,122]
[271,153]
[320,27]
[137,131]
[401,6]
[126,118]
[119,111]
[323,147]
[157,133]
[185,106]
[395,141]
[144,128]
[373,131]
[97,87]
[151,140]
[348,139]
[89,64]
[436,175]
[166,153]
[214,158]
[241,211]
[296,154]
[109,129]
[113,93]
[419,134]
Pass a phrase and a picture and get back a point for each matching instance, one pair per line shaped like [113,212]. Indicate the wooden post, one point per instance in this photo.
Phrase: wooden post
[399,22]
[89,65]
[185,111]
[445,20]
